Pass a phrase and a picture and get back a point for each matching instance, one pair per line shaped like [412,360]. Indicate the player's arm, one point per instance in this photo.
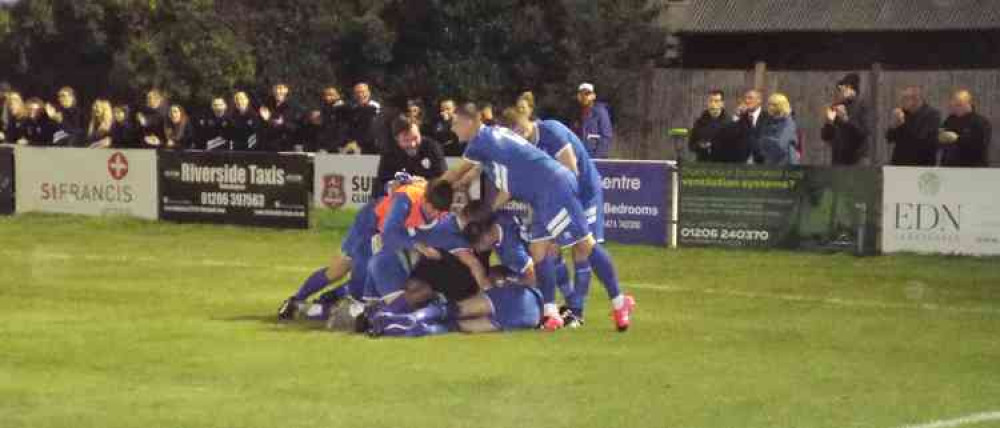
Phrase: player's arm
[459,171]
[395,235]
[501,199]
[471,175]
[568,159]
[469,259]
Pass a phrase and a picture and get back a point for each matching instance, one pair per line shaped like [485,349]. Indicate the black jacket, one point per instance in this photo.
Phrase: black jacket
[214,132]
[246,126]
[124,136]
[916,141]
[39,131]
[705,134]
[362,126]
[973,146]
[428,163]
[280,130]
[740,139]
[156,121]
[72,130]
[335,117]
[441,131]
[848,139]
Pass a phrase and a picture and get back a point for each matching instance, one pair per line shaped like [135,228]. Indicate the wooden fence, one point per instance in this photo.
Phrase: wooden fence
[672,98]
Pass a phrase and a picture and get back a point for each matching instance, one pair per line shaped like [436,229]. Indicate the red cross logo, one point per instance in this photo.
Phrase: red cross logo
[118,166]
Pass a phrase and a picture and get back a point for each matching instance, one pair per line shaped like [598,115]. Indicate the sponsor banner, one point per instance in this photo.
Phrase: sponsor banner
[253,189]
[6,180]
[941,210]
[86,181]
[347,181]
[774,207]
[637,201]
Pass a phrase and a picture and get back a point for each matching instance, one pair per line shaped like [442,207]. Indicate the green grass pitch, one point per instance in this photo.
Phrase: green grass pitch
[121,323]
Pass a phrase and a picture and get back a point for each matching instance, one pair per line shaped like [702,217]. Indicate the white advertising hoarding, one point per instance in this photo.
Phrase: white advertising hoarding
[86,181]
[941,210]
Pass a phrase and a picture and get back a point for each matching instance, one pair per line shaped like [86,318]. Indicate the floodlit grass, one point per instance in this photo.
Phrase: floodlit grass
[122,323]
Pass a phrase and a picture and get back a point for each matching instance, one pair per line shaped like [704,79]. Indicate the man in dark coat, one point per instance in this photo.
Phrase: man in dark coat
[215,129]
[362,121]
[966,134]
[334,111]
[441,129]
[68,121]
[706,129]
[280,119]
[412,152]
[846,127]
[740,139]
[914,131]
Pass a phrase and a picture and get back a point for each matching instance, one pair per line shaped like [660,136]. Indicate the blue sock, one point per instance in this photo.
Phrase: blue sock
[436,312]
[581,279]
[604,268]
[562,278]
[333,295]
[545,271]
[316,282]
[398,306]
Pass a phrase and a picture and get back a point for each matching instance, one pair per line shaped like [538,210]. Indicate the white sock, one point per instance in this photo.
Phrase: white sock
[550,310]
[618,302]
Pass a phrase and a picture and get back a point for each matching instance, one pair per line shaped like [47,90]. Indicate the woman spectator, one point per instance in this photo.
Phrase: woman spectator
[179,132]
[123,132]
[152,120]
[99,135]
[246,123]
[779,135]
[38,128]
[13,131]
[413,153]
[67,119]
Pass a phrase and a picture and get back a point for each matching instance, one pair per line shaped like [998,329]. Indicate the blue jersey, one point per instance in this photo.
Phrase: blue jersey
[511,248]
[553,137]
[516,166]
[444,234]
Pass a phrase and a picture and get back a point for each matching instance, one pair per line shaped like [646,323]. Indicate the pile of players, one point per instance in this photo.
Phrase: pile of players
[416,269]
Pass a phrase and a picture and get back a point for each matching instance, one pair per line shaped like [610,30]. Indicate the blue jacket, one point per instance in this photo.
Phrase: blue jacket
[778,141]
[595,131]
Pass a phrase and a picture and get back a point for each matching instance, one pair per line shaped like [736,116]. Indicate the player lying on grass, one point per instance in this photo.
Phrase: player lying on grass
[523,172]
[408,209]
[562,144]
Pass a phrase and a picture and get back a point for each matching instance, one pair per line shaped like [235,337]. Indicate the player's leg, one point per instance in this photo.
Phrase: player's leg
[514,307]
[339,267]
[589,255]
[387,273]
[545,273]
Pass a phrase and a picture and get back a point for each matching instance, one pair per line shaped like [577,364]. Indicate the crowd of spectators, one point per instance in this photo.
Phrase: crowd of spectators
[276,124]
[767,134]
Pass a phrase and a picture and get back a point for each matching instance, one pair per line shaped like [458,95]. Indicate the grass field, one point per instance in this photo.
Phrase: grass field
[121,323]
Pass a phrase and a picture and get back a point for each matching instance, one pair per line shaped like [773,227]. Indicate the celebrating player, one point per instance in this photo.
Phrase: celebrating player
[563,145]
[521,171]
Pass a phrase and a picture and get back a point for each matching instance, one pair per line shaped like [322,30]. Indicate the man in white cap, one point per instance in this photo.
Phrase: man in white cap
[593,126]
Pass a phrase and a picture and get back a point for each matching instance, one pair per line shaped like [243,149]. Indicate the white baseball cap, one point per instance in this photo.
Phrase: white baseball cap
[586,87]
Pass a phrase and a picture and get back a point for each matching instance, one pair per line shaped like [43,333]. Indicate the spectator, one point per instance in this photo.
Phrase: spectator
[246,124]
[38,128]
[123,132]
[778,141]
[413,153]
[334,111]
[280,119]
[415,113]
[741,136]
[846,127]
[152,120]
[965,134]
[15,127]
[707,127]
[5,91]
[525,104]
[594,124]
[179,132]
[99,132]
[215,130]
[914,131]
[310,134]
[441,129]
[362,122]
[67,119]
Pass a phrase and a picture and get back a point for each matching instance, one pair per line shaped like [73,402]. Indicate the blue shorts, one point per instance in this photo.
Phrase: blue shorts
[387,274]
[359,237]
[594,211]
[515,307]
[557,213]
